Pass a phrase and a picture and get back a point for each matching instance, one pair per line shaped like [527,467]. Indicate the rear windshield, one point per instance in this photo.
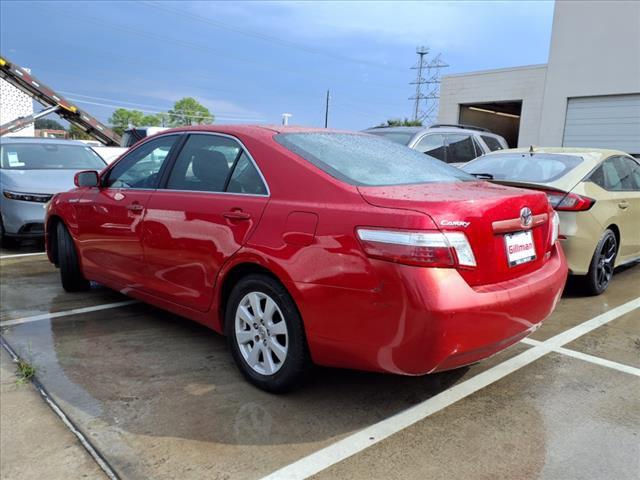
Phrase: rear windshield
[41,156]
[403,138]
[366,160]
[523,167]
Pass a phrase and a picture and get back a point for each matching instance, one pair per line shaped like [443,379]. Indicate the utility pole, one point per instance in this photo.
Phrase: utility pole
[428,77]
[326,111]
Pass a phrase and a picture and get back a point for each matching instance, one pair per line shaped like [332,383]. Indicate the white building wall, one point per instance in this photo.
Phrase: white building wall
[13,104]
[595,50]
[506,84]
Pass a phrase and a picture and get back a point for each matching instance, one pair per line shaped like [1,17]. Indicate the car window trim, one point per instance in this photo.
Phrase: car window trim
[105,175]
[171,164]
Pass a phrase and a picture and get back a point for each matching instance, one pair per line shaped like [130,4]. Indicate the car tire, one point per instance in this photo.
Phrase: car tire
[269,345]
[70,273]
[602,264]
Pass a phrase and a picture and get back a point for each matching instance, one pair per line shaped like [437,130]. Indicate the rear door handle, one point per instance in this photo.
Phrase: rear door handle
[236,215]
[623,204]
[135,207]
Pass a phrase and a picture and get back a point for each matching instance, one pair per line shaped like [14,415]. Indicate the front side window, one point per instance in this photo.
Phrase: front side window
[141,167]
[366,160]
[49,156]
[460,148]
[432,145]
[213,163]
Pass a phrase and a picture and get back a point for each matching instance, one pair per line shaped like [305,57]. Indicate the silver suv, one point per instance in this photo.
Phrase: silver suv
[453,144]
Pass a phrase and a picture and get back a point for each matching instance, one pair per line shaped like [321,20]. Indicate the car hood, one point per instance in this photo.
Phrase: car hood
[37,181]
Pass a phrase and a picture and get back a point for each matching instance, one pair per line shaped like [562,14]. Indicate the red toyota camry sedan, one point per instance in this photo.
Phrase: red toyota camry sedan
[314,246]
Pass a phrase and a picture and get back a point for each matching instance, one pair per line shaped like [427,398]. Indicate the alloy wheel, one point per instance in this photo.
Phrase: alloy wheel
[261,333]
[606,257]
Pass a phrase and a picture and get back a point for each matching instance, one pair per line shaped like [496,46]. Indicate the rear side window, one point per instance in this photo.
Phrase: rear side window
[366,160]
[523,167]
[492,142]
[460,148]
[432,145]
[213,163]
[617,174]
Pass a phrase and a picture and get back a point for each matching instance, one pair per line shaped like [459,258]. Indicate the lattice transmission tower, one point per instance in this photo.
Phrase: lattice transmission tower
[427,84]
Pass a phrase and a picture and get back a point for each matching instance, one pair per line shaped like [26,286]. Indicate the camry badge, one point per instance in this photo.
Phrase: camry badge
[526,217]
[455,223]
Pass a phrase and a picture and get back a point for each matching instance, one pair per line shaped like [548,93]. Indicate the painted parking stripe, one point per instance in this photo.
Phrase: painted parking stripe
[588,358]
[2,257]
[365,438]
[64,313]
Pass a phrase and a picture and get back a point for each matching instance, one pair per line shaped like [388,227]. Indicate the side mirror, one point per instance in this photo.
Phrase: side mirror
[86,178]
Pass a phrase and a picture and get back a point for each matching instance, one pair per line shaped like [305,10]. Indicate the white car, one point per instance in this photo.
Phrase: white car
[453,144]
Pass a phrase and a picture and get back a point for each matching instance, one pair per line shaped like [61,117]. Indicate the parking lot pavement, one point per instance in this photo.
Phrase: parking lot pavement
[34,443]
[159,397]
[557,418]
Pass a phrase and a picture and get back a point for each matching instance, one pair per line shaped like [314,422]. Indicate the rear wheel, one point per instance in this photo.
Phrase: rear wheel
[265,334]
[602,264]
[70,274]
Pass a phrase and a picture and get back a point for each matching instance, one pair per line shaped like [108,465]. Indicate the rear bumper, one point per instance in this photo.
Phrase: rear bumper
[427,320]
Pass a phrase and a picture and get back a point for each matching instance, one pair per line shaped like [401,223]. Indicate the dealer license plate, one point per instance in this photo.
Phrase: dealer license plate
[520,248]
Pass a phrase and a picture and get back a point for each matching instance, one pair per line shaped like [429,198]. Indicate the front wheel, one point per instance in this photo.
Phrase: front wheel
[601,268]
[265,334]
[70,274]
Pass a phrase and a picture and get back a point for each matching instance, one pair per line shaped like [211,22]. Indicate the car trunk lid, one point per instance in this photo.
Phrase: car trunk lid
[485,212]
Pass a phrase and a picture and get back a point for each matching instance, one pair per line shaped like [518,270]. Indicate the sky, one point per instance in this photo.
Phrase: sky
[249,62]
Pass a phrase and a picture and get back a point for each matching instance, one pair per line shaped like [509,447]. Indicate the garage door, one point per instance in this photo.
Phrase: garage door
[611,121]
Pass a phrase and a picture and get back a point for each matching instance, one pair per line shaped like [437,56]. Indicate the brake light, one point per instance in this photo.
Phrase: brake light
[555,228]
[569,202]
[419,248]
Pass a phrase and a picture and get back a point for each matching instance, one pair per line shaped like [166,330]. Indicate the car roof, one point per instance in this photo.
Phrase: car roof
[250,130]
[41,140]
[433,128]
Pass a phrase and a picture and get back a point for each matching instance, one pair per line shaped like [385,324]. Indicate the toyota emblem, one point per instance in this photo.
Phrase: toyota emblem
[526,217]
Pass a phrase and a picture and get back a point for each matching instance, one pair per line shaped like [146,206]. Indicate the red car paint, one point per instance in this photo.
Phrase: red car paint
[176,250]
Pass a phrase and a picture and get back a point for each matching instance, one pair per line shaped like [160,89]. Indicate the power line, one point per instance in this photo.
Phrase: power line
[262,36]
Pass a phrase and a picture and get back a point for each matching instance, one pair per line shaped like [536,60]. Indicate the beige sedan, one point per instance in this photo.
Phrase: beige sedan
[597,196]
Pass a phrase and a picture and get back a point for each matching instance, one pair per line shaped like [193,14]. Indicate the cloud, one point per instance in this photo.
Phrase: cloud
[438,24]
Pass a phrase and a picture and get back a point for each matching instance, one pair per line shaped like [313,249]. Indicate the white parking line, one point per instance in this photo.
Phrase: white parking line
[64,313]
[2,257]
[365,438]
[588,358]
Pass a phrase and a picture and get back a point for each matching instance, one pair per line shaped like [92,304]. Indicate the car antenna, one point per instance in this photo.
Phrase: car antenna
[531,152]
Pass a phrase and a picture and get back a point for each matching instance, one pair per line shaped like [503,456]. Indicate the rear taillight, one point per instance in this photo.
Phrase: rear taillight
[420,248]
[555,228]
[569,202]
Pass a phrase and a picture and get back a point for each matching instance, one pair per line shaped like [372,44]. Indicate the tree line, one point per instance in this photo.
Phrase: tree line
[186,111]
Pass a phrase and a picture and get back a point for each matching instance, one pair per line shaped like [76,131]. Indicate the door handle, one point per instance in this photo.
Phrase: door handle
[236,215]
[623,204]
[135,207]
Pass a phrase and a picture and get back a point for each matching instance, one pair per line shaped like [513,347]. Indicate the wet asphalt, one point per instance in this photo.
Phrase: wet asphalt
[160,397]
